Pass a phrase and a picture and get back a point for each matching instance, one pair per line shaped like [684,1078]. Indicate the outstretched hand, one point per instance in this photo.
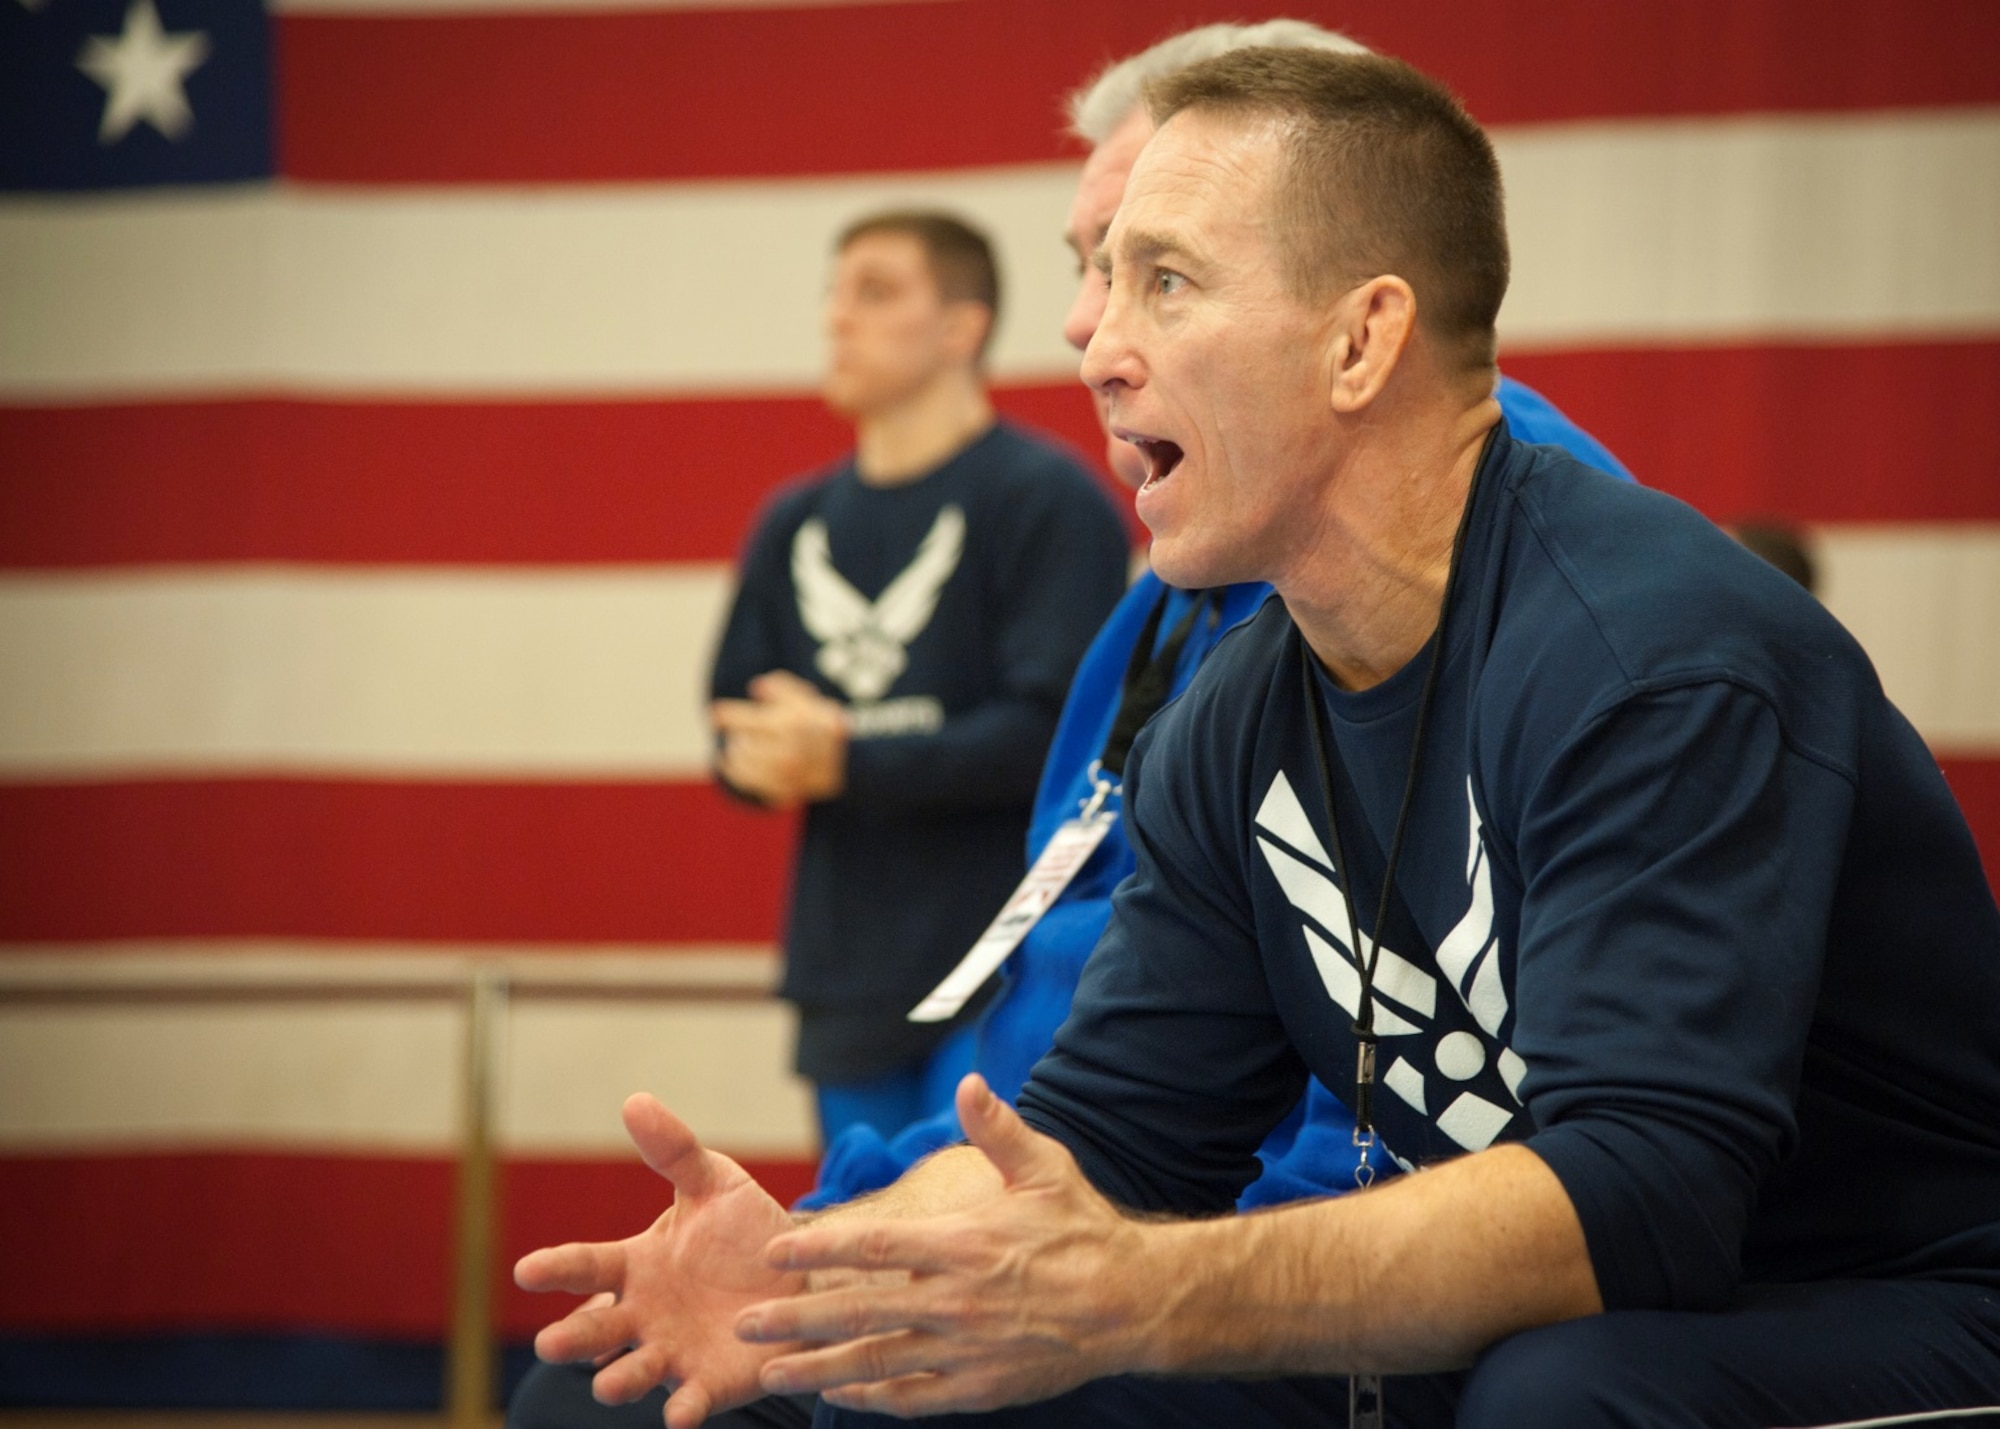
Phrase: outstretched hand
[665,1301]
[1017,1298]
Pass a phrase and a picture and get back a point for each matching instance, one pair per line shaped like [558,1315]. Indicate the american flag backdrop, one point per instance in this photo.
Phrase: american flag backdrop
[385,386]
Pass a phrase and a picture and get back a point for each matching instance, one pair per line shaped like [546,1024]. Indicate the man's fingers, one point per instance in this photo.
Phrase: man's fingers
[600,1301]
[730,715]
[750,765]
[629,1376]
[689,1406]
[585,1334]
[831,1315]
[860,1361]
[669,1146]
[910,1397]
[581,1268]
[1017,1152]
[920,1246]
[782,685]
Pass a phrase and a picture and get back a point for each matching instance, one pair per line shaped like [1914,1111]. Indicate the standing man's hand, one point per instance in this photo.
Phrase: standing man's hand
[668,1297]
[1021,1297]
[784,746]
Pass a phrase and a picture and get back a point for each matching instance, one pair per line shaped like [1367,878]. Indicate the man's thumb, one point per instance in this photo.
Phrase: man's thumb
[1016,1150]
[668,1145]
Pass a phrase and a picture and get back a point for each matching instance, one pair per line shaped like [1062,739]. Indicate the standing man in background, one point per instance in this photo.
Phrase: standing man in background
[896,659]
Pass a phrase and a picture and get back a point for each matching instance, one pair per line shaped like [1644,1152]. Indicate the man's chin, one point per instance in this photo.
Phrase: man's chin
[840,399]
[1173,563]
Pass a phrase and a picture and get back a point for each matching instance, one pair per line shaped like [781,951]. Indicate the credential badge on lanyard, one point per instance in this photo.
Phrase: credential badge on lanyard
[1065,853]
[1149,678]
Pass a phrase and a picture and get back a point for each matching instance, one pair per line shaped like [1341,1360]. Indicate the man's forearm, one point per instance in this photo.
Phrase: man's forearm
[1419,1275]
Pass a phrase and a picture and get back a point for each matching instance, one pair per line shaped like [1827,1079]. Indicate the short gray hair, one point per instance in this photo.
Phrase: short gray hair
[1103,104]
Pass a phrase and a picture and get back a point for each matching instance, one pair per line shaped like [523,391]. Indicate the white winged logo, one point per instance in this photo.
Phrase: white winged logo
[1407,1002]
[863,642]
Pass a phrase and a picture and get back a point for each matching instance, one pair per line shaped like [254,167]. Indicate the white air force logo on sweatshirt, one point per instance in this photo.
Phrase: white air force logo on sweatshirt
[1426,1061]
[863,644]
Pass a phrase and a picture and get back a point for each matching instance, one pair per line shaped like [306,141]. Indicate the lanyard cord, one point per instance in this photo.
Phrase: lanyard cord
[1149,676]
[1364,1017]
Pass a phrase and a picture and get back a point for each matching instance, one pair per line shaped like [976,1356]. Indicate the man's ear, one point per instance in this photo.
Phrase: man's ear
[967,324]
[1373,324]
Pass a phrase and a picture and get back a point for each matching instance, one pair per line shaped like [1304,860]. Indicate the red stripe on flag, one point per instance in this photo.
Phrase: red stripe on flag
[1875,432]
[1885,432]
[1975,783]
[137,1242]
[358,1245]
[400,481]
[413,482]
[868,88]
[565,863]
[581,863]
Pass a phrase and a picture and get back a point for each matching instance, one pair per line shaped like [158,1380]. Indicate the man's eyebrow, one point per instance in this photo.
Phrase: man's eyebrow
[1138,246]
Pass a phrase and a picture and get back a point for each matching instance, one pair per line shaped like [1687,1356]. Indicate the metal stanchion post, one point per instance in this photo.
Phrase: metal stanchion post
[471,1363]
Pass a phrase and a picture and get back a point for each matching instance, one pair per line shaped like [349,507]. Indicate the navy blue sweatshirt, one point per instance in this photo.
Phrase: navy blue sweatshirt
[1685,906]
[948,614]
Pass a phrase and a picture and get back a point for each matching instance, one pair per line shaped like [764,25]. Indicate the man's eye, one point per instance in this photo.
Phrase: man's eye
[1166,280]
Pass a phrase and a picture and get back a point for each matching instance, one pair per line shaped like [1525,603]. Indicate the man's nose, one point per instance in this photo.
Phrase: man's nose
[1086,311]
[1108,357]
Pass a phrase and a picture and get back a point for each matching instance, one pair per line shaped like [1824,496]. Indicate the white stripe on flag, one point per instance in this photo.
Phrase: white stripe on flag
[322,1073]
[562,673]
[697,287]
[556,672]
[566,673]
[1924,601]
[1705,231]
[229,1074]
[1624,232]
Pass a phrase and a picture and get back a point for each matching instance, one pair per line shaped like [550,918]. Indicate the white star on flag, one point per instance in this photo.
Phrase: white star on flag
[143,72]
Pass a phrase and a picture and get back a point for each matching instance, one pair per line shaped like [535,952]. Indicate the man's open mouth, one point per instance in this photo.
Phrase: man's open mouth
[1161,458]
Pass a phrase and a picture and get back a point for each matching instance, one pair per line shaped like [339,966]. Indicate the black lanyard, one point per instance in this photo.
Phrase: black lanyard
[1364,1017]
[1149,676]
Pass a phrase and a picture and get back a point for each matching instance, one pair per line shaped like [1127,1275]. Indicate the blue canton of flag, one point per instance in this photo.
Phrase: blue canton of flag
[127,93]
